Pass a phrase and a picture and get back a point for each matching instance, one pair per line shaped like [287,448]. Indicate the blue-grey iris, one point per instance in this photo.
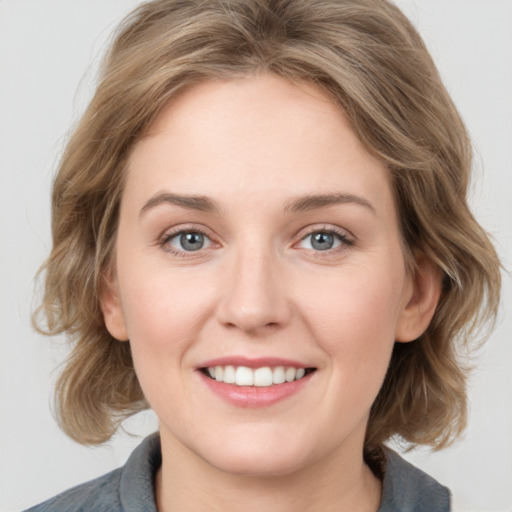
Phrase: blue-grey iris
[192,241]
[322,241]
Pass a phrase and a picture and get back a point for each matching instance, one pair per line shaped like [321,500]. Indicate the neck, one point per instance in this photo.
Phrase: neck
[187,483]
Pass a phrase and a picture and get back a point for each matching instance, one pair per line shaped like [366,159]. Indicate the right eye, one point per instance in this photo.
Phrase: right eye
[186,241]
[322,241]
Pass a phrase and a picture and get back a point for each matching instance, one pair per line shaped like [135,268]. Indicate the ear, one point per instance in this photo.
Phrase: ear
[424,290]
[111,308]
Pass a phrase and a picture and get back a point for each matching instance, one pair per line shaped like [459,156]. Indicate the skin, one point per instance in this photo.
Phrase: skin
[258,288]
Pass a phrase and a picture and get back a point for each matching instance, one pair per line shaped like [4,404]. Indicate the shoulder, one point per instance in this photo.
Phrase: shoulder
[123,490]
[101,494]
[407,488]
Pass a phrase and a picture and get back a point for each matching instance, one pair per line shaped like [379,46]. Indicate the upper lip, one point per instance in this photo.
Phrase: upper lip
[257,362]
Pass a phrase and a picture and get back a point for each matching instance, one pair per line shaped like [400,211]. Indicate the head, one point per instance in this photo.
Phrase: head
[363,57]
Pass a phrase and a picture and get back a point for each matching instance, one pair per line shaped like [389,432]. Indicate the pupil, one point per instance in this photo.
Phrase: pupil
[192,241]
[322,241]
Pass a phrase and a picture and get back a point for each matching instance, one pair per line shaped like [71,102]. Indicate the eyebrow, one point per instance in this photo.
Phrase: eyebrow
[300,204]
[199,203]
[312,202]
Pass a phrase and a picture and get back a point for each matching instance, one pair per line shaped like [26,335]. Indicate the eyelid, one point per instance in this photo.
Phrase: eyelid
[170,233]
[326,228]
[346,238]
[178,236]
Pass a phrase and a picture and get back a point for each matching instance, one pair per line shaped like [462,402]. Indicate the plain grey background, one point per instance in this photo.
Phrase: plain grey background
[48,55]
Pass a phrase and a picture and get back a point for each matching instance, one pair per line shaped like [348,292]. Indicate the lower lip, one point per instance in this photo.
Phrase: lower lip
[255,396]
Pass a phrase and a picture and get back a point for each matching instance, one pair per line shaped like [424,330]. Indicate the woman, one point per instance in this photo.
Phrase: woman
[261,231]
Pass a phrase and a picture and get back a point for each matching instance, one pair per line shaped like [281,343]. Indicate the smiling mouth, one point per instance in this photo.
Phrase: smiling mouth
[258,377]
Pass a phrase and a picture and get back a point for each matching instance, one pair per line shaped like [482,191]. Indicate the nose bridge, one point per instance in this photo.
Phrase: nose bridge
[254,296]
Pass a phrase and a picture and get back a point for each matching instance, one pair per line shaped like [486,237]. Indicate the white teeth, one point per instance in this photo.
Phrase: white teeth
[278,375]
[229,375]
[263,377]
[244,376]
[259,377]
[290,374]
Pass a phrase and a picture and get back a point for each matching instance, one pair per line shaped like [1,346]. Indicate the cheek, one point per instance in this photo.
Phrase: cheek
[163,311]
[354,317]
[158,321]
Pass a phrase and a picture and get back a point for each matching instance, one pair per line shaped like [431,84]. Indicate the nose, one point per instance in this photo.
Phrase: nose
[254,294]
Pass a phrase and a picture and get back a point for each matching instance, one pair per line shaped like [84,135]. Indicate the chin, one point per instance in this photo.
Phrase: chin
[261,457]
[258,465]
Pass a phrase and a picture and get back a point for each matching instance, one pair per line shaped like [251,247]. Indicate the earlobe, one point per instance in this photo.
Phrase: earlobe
[422,300]
[111,308]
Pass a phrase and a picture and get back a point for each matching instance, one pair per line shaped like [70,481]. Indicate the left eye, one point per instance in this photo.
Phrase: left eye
[189,241]
[322,241]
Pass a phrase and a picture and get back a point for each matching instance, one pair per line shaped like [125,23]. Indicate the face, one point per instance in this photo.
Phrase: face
[259,276]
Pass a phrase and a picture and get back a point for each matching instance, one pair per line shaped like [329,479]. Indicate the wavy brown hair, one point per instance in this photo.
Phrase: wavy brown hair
[372,63]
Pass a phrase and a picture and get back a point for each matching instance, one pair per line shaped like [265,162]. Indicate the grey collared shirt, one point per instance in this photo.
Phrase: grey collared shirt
[131,488]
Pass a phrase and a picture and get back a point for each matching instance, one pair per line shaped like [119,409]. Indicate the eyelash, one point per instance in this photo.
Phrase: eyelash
[164,242]
[345,241]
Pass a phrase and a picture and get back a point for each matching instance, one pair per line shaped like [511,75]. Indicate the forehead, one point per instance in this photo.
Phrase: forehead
[259,134]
